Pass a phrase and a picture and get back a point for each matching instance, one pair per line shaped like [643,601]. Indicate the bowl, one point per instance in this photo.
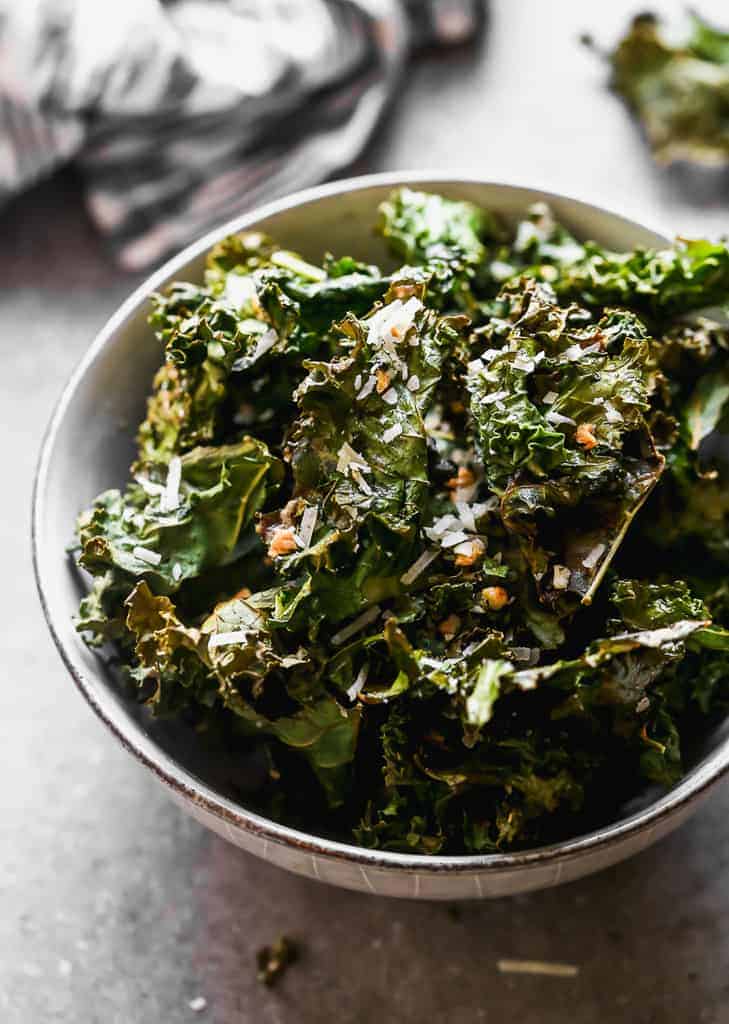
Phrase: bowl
[88,447]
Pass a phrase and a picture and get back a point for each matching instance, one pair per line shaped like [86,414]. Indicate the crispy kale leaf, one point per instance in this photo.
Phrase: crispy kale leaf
[142,532]
[680,93]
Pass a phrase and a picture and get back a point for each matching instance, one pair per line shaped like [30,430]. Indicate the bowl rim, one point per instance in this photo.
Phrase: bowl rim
[176,776]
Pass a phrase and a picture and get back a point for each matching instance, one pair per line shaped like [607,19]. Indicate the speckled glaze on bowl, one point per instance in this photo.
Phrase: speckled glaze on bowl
[88,447]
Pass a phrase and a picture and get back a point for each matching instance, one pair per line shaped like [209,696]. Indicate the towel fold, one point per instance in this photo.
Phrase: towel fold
[182,113]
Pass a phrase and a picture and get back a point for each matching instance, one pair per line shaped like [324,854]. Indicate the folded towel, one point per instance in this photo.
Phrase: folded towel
[181,113]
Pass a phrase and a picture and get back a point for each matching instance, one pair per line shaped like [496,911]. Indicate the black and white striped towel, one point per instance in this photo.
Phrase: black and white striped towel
[181,113]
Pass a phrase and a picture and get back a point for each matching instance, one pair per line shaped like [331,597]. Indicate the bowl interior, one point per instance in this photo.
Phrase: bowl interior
[90,442]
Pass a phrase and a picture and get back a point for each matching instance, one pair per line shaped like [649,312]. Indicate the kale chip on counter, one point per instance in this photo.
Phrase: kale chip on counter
[442,549]
[679,90]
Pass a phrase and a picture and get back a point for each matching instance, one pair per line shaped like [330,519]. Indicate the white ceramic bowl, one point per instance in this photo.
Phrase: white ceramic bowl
[88,447]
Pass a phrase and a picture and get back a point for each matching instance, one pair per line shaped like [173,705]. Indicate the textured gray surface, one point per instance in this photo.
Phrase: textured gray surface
[116,907]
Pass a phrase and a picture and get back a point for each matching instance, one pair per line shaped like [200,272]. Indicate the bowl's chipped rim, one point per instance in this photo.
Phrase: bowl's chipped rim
[173,774]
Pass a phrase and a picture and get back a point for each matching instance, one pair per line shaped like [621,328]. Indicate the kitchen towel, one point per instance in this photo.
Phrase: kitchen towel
[180,114]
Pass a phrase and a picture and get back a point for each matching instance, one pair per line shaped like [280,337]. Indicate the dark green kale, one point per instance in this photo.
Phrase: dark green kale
[678,90]
[444,549]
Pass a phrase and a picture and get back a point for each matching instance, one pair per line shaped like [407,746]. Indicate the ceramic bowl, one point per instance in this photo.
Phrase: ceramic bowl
[88,447]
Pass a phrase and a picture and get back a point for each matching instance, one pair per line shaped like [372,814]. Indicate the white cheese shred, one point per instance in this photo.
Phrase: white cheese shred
[147,555]
[495,396]
[419,566]
[390,396]
[465,514]
[593,557]
[451,540]
[237,636]
[358,624]
[307,525]
[357,686]
[561,577]
[171,495]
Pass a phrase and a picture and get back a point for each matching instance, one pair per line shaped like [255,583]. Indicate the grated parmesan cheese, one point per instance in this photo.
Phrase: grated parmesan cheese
[357,686]
[391,433]
[414,383]
[557,419]
[419,566]
[451,540]
[611,413]
[551,396]
[171,495]
[537,967]
[367,388]
[236,636]
[307,525]
[240,290]
[561,577]
[358,624]
[495,396]
[348,457]
[147,555]
[593,557]
[176,572]
[466,515]
[390,396]
[356,472]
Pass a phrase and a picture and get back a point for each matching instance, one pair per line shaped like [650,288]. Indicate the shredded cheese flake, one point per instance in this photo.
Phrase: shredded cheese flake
[358,685]
[236,636]
[391,433]
[367,388]
[451,540]
[171,496]
[358,624]
[307,525]
[390,396]
[419,566]
[561,577]
[466,515]
[147,555]
[593,557]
